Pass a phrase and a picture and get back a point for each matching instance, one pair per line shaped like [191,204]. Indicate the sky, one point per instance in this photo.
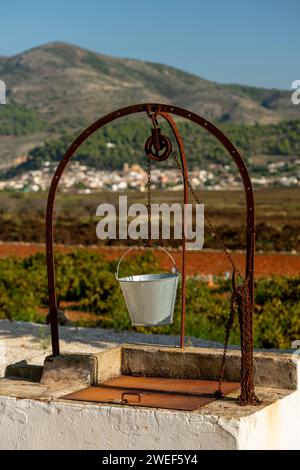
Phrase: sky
[250,42]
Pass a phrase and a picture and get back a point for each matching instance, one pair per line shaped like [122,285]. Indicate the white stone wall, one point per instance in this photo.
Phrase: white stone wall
[31,424]
[28,424]
[273,427]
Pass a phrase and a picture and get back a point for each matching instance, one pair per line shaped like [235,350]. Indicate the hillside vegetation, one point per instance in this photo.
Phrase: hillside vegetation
[16,120]
[128,139]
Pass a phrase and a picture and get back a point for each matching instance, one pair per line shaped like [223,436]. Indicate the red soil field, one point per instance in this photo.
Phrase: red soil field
[198,262]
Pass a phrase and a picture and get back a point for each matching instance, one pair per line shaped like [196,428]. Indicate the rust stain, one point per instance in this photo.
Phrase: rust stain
[153,392]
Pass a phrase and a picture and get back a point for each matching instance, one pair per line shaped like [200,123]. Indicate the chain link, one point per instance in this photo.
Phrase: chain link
[149,201]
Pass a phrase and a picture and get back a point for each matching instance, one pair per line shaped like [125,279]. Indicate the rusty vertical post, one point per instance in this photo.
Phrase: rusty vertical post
[179,142]
[51,269]
[246,322]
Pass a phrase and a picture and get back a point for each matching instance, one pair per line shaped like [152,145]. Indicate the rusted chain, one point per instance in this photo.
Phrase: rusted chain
[149,201]
[240,306]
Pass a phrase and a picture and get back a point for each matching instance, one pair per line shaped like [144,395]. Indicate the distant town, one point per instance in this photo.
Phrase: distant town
[83,179]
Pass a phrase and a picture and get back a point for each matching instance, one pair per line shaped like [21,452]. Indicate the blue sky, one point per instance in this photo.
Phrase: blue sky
[250,42]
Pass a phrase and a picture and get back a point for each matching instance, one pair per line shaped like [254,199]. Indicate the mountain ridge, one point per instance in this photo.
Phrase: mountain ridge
[61,74]
[59,86]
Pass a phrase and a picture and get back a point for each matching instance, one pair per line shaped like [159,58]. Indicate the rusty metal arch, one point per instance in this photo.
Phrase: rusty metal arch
[165,111]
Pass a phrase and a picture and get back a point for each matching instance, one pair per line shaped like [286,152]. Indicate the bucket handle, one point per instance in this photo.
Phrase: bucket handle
[153,246]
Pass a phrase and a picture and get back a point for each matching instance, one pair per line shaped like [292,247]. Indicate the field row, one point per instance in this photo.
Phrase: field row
[198,262]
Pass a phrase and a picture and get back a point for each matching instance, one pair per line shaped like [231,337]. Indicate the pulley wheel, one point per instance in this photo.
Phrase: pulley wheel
[165,148]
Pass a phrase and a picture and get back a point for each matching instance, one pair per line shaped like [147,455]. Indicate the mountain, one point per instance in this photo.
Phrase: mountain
[64,82]
[59,85]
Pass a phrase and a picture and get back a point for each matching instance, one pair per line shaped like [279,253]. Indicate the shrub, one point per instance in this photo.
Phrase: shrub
[87,280]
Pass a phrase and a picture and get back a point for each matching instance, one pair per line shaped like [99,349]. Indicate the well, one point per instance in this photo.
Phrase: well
[36,414]
[158,147]
[141,397]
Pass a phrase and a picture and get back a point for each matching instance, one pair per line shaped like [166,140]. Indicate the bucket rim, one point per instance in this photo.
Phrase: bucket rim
[165,277]
[132,248]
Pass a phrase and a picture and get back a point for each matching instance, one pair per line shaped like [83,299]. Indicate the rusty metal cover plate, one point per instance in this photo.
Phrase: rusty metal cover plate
[153,392]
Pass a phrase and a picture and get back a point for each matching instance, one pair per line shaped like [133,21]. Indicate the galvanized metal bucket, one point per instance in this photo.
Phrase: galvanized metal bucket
[150,298]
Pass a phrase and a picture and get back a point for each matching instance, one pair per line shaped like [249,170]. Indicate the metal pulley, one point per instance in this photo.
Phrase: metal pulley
[158,146]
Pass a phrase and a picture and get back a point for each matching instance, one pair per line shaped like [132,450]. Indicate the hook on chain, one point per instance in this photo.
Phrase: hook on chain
[158,146]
